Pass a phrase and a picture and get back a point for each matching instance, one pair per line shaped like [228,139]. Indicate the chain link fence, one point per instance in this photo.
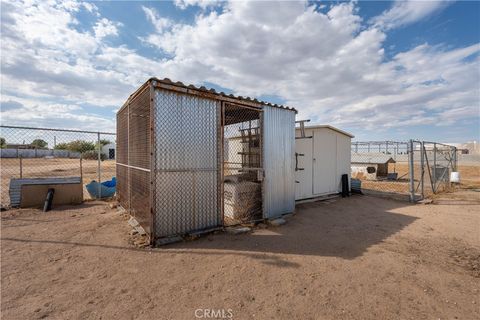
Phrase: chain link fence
[412,170]
[54,153]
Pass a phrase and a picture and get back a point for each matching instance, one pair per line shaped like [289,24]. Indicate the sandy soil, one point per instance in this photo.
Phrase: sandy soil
[356,258]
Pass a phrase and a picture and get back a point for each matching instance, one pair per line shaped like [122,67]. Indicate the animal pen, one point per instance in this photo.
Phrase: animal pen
[191,159]
[410,169]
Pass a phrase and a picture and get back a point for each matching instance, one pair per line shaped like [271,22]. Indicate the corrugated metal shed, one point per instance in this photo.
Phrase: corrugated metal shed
[189,129]
[371,158]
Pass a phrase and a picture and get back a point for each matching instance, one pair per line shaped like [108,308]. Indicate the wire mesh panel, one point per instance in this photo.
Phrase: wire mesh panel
[187,163]
[242,164]
[123,195]
[54,153]
[139,146]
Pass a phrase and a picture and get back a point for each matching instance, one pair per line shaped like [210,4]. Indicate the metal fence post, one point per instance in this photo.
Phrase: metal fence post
[412,176]
[455,159]
[422,165]
[434,169]
[99,156]
[21,168]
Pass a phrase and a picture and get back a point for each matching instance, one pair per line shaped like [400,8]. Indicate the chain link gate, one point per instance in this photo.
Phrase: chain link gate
[435,163]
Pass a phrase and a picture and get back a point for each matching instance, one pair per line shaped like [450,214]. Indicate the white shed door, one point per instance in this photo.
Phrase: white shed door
[324,162]
[304,178]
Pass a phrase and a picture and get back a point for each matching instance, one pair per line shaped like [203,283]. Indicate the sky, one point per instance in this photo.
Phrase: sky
[382,70]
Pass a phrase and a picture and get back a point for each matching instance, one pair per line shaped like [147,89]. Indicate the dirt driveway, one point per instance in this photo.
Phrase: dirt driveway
[355,258]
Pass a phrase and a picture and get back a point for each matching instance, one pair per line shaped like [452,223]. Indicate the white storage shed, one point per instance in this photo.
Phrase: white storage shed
[322,156]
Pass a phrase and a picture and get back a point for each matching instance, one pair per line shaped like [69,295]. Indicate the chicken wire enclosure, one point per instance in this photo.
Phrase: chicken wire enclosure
[191,159]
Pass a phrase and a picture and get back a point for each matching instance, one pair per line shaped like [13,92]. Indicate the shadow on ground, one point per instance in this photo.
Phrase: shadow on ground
[343,228]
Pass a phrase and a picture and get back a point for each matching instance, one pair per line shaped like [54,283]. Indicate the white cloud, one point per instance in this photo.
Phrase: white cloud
[158,22]
[64,62]
[44,114]
[104,28]
[329,65]
[405,12]
[183,4]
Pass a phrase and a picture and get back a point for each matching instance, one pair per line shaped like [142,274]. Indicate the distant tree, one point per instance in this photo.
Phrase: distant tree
[81,146]
[39,143]
[103,142]
[3,142]
[76,146]
[61,146]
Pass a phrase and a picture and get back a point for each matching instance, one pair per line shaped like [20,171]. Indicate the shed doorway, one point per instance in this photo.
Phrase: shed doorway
[242,164]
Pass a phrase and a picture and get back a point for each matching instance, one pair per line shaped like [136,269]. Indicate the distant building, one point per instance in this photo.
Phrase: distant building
[109,151]
[470,147]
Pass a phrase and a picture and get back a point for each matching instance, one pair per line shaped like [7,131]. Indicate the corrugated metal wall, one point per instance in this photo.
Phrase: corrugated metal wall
[187,163]
[279,161]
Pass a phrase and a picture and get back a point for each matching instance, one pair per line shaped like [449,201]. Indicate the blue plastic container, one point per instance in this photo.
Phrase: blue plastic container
[107,188]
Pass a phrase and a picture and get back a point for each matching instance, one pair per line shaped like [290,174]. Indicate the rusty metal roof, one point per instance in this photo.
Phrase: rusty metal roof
[212,93]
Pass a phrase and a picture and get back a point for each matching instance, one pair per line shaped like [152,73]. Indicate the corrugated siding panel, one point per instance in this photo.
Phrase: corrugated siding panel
[279,161]
[187,163]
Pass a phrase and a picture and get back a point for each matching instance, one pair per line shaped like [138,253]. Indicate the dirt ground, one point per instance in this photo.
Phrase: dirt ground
[355,258]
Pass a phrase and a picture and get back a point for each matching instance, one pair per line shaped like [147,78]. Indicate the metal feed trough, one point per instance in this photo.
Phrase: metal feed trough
[191,159]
